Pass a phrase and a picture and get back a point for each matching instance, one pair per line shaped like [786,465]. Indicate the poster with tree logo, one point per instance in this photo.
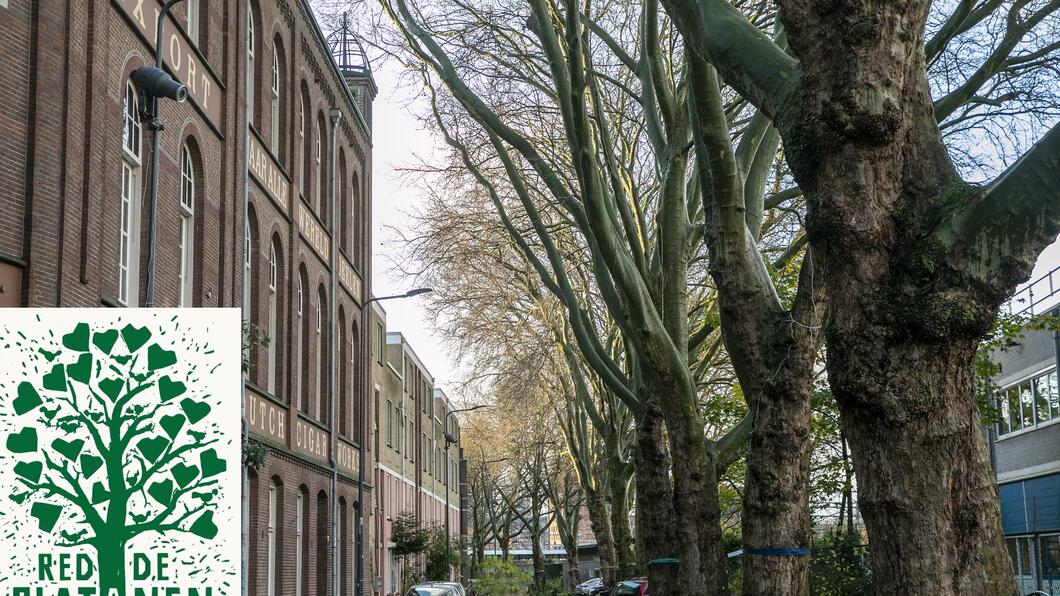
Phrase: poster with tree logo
[119,452]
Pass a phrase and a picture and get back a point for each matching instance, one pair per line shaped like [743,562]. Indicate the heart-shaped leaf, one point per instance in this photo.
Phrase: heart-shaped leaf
[27,398]
[89,464]
[56,379]
[99,493]
[168,389]
[111,387]
[46,513]
[204,526]
[24,441]
[135,337]
[183,474]
[82,371]
[158,357]
[172,424]
[194,410]
[210,464]
[69,449]
[161,491]
[77,339]
[152,447]
[30,470]
[105,340]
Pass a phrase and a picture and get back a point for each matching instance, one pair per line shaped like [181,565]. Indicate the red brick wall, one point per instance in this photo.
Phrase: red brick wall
[66,63]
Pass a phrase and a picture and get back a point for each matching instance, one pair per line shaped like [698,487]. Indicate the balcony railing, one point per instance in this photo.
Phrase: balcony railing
[1036,297]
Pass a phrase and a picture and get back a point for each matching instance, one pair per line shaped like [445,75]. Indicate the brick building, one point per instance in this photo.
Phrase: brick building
[412,470]
[273,122]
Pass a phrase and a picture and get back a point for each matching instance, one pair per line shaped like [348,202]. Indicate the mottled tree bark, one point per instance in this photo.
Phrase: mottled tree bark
[625,560]
[655,510]
[600,522]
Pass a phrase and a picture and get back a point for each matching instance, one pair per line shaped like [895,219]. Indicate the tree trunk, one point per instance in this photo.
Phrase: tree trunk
[907,310]
[776,512]
[573,572]
[925,489]
[655,512]
[625,562]
[110,563]
[538,558]
[601,525]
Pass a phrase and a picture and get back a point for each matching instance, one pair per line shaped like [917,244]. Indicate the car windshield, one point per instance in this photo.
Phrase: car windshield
[626,589]
[429,591]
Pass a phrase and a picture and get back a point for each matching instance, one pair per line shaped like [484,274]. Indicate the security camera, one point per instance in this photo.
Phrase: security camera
[155,82]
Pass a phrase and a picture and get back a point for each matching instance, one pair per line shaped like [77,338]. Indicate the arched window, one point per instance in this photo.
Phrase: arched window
[353,363]
[252,288]
[322,356]
[273,568]
[344,390]
[129,231]
[305,151]
[274,97]
[301,577]
[340,545]
[251,65]
[192,8]
[358,226]
[343,223]
[187,226]
[318,156]
[322,543]
[273,315]
[302,368]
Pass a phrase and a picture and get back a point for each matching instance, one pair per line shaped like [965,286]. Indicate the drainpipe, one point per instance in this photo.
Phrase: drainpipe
[336,116]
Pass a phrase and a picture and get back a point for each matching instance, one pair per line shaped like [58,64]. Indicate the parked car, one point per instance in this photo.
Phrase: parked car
[631,587]
[590,588]
[454,585]
[432,590]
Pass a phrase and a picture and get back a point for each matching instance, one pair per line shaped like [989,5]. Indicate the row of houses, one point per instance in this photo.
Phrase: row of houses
[264,203]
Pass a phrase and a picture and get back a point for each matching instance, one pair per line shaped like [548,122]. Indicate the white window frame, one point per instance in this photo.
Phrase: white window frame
[129,223]
[316,363]
[273,317]
[301,144]
[192,8]
[299,525]
[275,88]
[246,265]
[251,41]
[271,581]
[317,188]
[187,227]
[298,347]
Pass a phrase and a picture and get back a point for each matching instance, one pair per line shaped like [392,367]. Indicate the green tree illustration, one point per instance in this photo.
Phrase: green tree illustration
[134,450]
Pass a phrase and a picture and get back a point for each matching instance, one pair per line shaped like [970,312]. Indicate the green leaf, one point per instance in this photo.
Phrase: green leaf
[47,514]
[161,491]
[99,493]
[111,387]
[172,425]
[77,339]
[184,474]
[28,398]
[210,464]
[135,337]
[89,464]
[56,379]
[82,370]
[25,441]
[68,449]
[168,389]
[158,357]
[30,470]
[105,340]
[204,526]
[152,447]
[195,410]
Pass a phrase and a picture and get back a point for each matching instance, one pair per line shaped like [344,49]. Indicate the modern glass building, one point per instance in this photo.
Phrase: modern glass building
[1025,445]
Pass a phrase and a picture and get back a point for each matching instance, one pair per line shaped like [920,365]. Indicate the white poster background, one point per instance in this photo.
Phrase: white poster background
[206,344]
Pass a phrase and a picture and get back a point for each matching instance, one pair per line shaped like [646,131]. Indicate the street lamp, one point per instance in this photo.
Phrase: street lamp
[449,440]
[362,423]
[155,84]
